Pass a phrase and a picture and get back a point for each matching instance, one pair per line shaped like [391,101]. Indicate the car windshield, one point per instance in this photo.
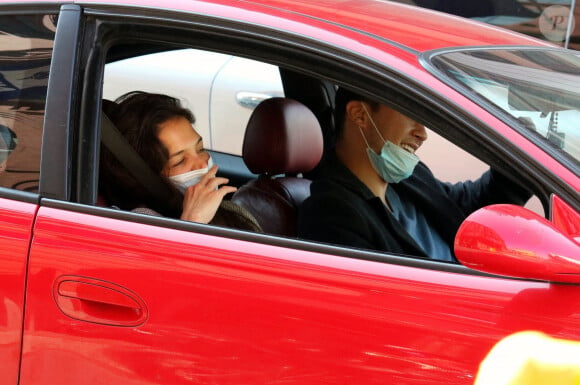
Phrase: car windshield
[537,87]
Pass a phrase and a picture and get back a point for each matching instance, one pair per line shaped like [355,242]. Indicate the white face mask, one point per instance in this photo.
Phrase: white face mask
[187,179]
[394,163]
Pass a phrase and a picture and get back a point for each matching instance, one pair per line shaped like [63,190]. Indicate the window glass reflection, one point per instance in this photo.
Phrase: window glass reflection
[26,43]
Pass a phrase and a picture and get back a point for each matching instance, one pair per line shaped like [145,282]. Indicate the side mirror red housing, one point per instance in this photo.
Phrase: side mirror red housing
[565,217]
[513,241]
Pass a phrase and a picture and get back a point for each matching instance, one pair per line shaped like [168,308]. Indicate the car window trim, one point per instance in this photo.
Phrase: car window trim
[32,8]
[55,158]
[19,195]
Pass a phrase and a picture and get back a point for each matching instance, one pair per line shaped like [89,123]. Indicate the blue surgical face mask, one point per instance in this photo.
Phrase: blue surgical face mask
[187,179]
[393,164]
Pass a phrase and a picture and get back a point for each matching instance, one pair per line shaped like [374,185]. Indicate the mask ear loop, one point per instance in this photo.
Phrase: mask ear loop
[373,123]
[363,135]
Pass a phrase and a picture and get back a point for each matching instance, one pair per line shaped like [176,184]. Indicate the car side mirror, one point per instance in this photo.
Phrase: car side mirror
[513,241]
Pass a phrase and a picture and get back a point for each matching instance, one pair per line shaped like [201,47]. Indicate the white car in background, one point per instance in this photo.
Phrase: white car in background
[221,92]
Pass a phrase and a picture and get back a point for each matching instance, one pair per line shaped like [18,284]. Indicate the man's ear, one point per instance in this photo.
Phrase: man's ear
[355,112]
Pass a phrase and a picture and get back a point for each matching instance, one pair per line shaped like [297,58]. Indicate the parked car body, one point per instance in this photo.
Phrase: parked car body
[92,294]
[221,93]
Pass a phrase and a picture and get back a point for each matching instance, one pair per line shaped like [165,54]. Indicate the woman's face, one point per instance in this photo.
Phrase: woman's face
[184,146]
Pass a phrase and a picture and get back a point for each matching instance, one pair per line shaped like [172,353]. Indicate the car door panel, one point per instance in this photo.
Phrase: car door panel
[16,219]
[221,310]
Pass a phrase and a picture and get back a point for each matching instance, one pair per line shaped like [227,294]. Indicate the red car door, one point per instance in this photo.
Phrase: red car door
[113,301]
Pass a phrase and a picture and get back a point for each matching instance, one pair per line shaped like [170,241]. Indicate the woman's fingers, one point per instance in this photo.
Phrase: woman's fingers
[225,190]
[215,182]
[211,173]
[202,200]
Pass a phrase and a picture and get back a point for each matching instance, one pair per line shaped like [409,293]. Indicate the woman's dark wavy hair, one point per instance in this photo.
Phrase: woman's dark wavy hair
[138,115]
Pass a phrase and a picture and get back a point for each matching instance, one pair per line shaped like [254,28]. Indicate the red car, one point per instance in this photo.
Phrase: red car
[95,295]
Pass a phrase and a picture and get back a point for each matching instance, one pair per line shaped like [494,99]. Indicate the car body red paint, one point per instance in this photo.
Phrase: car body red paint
[94,295]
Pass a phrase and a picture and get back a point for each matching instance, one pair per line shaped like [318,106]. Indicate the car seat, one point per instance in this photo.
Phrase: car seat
[283,140]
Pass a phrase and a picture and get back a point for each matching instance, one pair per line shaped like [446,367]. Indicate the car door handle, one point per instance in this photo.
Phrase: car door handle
[251,99]
[97,301]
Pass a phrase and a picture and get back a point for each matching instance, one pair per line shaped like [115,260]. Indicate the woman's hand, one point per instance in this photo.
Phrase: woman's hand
[201,201]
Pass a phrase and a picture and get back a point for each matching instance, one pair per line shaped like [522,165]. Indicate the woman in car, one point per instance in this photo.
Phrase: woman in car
[162,133]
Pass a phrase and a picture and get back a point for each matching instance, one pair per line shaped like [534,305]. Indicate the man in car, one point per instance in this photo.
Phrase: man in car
[373,192]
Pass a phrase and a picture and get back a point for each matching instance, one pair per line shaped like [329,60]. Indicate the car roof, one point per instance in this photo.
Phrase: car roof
[416,28]
[408,27]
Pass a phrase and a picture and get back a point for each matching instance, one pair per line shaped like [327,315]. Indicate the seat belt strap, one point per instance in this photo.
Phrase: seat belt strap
[115,142]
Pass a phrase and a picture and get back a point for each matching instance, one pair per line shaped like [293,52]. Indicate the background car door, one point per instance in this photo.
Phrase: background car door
[180,80]
[237,89]
[114,301]
[221,90]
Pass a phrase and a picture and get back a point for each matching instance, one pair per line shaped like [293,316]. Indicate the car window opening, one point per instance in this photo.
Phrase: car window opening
[274,189]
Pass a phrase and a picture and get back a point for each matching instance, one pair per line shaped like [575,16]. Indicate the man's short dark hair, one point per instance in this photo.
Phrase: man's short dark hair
[341,99]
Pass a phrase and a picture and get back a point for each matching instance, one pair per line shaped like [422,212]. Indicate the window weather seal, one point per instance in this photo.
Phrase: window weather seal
[55,163]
